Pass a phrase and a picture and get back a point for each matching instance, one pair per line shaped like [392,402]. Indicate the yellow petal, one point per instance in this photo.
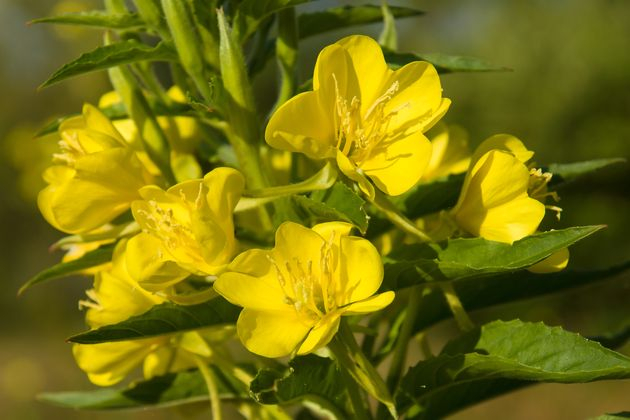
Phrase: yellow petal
[321,334]
[504,142]
[418,99]
[350,170]
[108,363]
[252,292]
[334,75]
[146,264]
[494,203]
[360,270]
[450,153]
[271,334]
[96,121]
[369,66]
[398,165]
[296,244]
[371,304]
[335,230]
[555,262]
[303,124]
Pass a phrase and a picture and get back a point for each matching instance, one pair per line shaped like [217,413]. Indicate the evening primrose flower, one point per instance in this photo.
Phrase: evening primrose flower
[192,220]
[365,115]
[294,295]
[116,297]
[450,153]
[95,177]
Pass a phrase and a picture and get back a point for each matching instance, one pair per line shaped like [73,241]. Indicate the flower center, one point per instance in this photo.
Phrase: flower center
[537,189]
[310,294]
[357,135]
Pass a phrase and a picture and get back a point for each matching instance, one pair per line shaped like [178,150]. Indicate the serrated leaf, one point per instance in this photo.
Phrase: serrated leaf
[499,357]
[161,391]
[566,172]
[166,318]
[250,13]
[310,378]
[505,288]
[443,63]
[342,17]
[112,55]
[91,259]
[466,258]
[95,18]
[337,203]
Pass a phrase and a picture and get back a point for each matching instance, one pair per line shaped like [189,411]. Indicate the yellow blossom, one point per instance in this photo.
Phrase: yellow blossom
[95,177]
[368,117]
[294,295]
[192,221]
[114,298]
[450,153]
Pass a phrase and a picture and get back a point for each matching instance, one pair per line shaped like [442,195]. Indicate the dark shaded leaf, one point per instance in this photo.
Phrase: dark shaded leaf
[107,56]
[310,378]
[566,172]
[95,18]
[499,357]
[166,318]
[91,259]
[342,17]
[250,13]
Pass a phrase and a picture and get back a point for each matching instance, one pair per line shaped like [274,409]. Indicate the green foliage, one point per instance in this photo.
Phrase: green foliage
[167,318]
[567,172]
[316,23]
[463,259]
[160,391]
[499,357]
[95,18]
[91,259]
[443,63]
[112,55]
[251,13]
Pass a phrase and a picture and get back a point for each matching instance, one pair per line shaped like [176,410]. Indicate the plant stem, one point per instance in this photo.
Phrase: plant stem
[402,343]
[213,391]
[399,220]
[286,53]
[461,317]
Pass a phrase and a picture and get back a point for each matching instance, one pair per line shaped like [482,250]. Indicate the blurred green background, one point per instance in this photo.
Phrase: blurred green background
[567,98]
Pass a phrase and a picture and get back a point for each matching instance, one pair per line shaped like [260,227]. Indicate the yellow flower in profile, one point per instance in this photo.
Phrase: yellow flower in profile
[96,175]
[294,294]
[192,220]
[365,115]
[114,298]
[450,153]
[494,202]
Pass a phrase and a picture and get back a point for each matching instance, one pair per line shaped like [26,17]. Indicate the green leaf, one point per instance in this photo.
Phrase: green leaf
[461,259]
[616,416]
[161,391]
[337,203]
[425,199]
[251,13]
[95,18]
[112,55]
[91,259]
[309,378]
[566,172]
[499,357]
[342,17]
[443,63]
[166,318]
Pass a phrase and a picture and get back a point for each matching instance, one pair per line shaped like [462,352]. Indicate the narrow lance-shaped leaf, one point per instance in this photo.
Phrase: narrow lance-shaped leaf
[91,259]
[310,378]
[95,18]
[161,391]
[499,357]
[342,17]
[166,318]
[461,259]
[567,172]
[443,63]
[111,55]
[250,13]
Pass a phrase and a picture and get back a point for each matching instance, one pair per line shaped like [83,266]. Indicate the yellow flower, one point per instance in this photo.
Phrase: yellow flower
[450,153]
[192,220]
[494,202]
[96,177]
[114,298]
[293,295]
[365,115]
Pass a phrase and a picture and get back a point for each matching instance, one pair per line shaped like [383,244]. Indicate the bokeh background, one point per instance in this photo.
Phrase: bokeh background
[568,98]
